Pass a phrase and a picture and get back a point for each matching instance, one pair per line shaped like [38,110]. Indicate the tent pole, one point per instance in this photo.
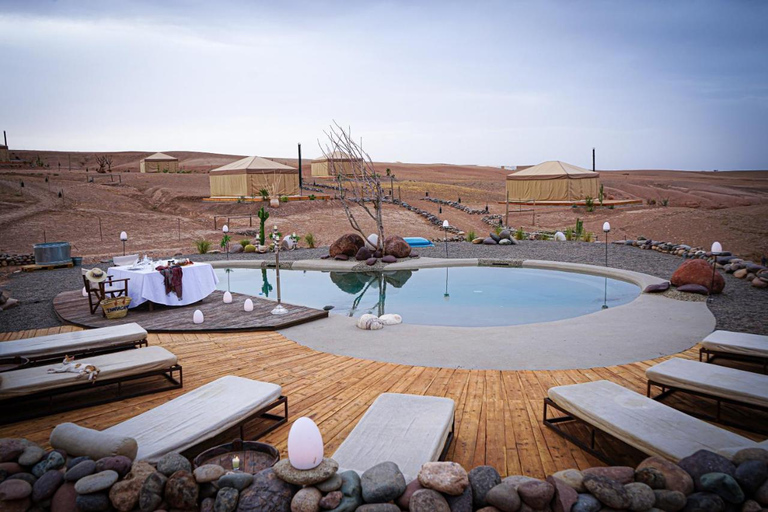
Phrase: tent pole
[506,220]
[300,181]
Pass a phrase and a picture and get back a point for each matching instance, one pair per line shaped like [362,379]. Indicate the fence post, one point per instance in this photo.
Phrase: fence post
[179,219]
[101,235]
[506,220]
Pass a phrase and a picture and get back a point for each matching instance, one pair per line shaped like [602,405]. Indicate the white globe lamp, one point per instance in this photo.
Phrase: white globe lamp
[197,317]
[227,298]
[305,444]
[248,306]
[717,248]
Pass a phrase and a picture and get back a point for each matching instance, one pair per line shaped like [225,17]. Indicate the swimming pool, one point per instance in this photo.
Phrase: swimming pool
[457,296]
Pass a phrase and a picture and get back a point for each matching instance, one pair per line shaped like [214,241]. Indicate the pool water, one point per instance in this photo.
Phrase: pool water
[457,296]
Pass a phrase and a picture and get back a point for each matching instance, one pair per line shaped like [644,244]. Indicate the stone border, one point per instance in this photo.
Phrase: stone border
[650,326]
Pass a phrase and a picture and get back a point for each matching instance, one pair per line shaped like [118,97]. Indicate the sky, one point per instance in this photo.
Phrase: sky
[650,84]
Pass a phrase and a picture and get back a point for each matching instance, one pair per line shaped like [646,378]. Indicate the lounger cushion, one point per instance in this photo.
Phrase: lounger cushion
[196,416]
[712,379]
[74,342]
[118,364]
[642,422]
[80,441]
[740,343]
[408,430]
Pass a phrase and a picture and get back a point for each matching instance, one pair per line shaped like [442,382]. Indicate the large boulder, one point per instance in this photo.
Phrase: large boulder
[697,272]
[397,247]
[347,245]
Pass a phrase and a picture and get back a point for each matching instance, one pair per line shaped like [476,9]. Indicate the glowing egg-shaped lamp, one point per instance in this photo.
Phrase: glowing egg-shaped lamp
[197,316]
[85,292]
[227,298]
[305,444]
[248,306]
[717,247]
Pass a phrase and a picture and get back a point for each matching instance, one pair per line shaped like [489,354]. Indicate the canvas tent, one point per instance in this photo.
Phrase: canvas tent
[553,181]
[247,176]
[159,162]
[331,165]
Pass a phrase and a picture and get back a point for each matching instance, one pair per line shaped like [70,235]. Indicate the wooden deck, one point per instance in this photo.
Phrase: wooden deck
[73,308]
[498,413]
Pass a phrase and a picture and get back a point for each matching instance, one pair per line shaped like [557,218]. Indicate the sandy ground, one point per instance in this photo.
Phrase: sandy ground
[164,213]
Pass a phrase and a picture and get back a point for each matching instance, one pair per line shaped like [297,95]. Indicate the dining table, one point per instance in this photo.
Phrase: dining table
[146,284]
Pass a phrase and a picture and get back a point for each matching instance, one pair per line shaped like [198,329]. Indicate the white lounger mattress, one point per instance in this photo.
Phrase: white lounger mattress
[118,364]
[196,416]
[642,422]
[74,342]
[408,430]
[712,379]
[740,343]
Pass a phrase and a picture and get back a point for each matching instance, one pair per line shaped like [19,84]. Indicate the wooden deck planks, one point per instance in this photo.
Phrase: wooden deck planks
[498,413]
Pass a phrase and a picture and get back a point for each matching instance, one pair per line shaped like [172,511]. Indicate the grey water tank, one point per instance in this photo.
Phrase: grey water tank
[52,253]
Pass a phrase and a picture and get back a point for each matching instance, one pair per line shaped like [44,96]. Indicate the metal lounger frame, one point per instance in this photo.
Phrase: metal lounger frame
[87,352]
[16,409]
[711,355]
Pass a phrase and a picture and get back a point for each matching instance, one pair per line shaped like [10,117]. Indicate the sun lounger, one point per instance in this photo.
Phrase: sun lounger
[738,346]
[641,422]
[32,392]
[78,343]
[189,419]
[408,430]
[719,383]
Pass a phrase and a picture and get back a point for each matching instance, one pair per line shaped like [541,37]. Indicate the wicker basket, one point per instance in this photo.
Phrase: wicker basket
[116,307]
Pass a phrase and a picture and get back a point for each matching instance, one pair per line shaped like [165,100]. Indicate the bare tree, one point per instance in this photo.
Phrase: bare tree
[359,184]
[105,163]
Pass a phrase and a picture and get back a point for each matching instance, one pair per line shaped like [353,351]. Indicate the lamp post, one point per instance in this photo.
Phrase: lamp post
[445,232]
[446,295]
[279,309]
[225,230]
[716,249]
[123,238]
[606,230]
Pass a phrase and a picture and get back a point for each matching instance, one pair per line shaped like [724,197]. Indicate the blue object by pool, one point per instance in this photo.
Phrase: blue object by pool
[417,241]
[459,296]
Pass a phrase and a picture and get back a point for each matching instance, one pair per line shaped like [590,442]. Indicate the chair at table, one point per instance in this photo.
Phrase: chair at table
[121,261]
[98,291]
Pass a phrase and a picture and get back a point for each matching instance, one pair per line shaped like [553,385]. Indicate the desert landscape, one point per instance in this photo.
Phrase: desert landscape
[164,213]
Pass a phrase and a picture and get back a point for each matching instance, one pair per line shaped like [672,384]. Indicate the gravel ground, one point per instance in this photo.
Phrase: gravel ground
[739,308]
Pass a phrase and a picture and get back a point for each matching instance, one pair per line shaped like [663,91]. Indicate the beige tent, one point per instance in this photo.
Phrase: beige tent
[247,176]
[5,155]
[553,181]
[332,165]
[159,162]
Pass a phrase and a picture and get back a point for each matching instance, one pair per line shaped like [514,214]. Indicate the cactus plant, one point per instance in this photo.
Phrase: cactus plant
[263,216]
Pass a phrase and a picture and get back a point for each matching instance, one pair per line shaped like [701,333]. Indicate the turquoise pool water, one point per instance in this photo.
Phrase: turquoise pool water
[459,296]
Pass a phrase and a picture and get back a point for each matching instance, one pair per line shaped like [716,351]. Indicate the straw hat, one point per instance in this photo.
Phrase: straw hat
[96,275]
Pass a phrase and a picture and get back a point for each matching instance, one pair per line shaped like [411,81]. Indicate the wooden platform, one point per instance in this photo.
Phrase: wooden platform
[32,268]
[498,413]
[73,308]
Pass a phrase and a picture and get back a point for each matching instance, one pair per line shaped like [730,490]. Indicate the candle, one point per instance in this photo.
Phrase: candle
[235,462]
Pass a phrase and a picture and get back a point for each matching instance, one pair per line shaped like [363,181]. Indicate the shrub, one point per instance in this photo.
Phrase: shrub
[665,201]
[312,197]
[651,202]
[498,230]
[243,243]
[202,246]
[283,199]
[587,236]
[579,228]
[601,195]
[590,203]
[264,193]
[249,248]
[569,234]
[471,235]
[519,234]
[310,239]
[610,207]
[241,199]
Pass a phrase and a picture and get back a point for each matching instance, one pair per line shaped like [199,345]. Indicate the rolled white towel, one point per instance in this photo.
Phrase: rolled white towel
[369,323]
[390,319]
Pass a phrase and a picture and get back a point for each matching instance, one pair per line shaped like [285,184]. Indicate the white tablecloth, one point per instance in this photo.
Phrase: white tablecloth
[147,284]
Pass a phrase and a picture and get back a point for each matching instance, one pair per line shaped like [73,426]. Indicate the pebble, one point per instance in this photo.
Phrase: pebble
[723,485]
[226,500]
[427,500]
[27,477]
[332,484]
[750,454]
[10,449]
[237,480]
[306,500]
[46,485]
[120,464]
[751,474]
[327,468]
[675,477]
[209,473]
[151,493]
[85,468]
[586,503]
[55,460]
[377,507]
[609,492]
[97,482]
[703,462]
[651,477]
[352,492]
[565,495]
[14,490]
[124,495]
[173,462]
[267,493]
[331,500]
[670,501]
[207,505]
[31,455]
[536,494]
[573,478]
[704,502]
[10,468]
[97,502]
[181,490]
[641,496]
[482,479]
[446,477]
[65,499]
[461,503]
[75,461]
[383,482]
[504,497]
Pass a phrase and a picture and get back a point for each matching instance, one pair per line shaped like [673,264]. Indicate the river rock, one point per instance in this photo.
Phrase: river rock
[341,257]
[11,449]
[657,288]
[351,491]
[388,259]
[97,502]
[704,502]
[378,507]
[462,503]
[536,494]
[14,490]
[750,454]
[482,479]
[124,495]
[75,461]
[621,474]
[151,493]
[31,455]
[9,468]
[332,484]
[238,480]
[751,506]
[181,490]
[516,480]
[226,500]
[703,462]
[676,478]
[489,241]
[54,460]
[405,498]
[331,500]
[363,254]
[565,495]
[751,474]
[609,492]
[207,490]
[306,500]
[46,485]
[669,501]
[173,462]
[17,505]
[723,485]
[97,482]
[207,505]
[65,498]
[698,272]
[693,288]
[209,473]
[446,477]
[327,468]
[761,495]
[641,496]
[427,500]
[27,477]
[383,482]
[651,477]
[267,493]
[348,245]
[504,497]
[397,247]
[371,261]
[586,503]
[85,468]
[120,464]
[572,477]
